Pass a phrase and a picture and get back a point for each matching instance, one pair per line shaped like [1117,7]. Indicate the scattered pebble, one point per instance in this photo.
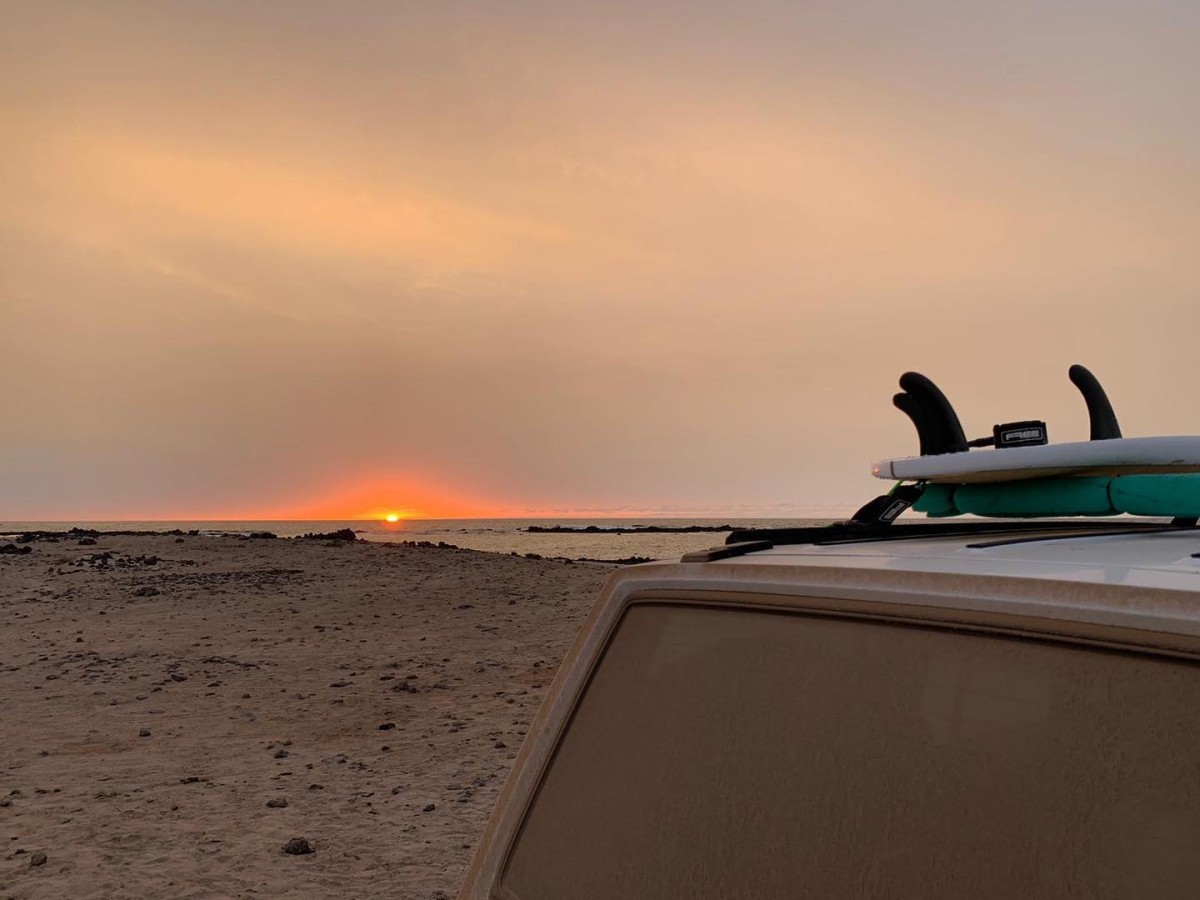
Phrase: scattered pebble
[298,846]
[277,803]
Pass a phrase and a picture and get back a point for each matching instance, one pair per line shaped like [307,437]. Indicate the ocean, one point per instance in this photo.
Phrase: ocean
[494,535]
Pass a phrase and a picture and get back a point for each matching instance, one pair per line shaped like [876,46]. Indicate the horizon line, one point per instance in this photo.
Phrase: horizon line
[381,520]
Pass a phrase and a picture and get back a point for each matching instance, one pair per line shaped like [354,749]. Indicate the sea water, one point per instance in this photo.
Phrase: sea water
[493,535]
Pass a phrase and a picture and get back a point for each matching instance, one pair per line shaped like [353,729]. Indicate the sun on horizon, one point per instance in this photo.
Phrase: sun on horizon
[392,517]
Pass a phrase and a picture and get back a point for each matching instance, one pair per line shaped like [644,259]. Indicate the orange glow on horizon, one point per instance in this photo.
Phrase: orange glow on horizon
[406,497]
[390,498]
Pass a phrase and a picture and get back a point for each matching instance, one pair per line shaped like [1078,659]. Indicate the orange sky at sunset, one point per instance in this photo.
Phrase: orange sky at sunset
[317,260]
[412,497]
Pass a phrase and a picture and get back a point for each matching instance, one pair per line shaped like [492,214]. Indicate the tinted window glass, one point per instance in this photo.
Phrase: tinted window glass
[721,753]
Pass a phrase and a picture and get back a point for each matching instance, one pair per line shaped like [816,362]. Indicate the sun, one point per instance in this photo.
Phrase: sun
[391,517]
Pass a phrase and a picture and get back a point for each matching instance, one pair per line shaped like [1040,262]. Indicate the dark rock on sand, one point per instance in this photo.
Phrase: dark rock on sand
[428,545]
[146,592]
[277,803]
[623,561]
[298,846]
[13,548]
[343,534]
[38,859]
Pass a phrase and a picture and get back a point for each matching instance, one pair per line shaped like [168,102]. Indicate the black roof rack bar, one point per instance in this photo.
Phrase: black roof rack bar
[712,554]
[847,533]
[884,509]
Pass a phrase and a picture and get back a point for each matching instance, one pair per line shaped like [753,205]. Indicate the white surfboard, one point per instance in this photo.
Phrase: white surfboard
[1119,456]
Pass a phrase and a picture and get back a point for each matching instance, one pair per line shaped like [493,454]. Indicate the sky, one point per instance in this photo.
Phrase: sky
[336,259]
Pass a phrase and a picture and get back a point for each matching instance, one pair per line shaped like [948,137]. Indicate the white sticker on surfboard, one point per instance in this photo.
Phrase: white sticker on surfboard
[1119,456]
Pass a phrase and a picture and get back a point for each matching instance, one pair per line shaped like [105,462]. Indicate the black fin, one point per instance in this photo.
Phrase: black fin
[942,431]
[907,405]
[1100,411]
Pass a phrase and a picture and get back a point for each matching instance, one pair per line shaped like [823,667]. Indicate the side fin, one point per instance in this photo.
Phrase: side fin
[907,405]
[942,431]
[1100,412]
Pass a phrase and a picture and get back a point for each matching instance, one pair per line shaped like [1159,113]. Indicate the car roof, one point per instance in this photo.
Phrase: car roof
[1165,560]
[1148,580]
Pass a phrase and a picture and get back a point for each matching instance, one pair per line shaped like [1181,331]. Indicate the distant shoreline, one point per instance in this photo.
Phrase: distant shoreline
[346,535]
[627,540]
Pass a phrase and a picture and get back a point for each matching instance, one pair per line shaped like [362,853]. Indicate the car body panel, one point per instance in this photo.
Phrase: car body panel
[1136,592]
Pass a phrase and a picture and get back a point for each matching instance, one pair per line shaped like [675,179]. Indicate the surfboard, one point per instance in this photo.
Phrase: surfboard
[1118,456]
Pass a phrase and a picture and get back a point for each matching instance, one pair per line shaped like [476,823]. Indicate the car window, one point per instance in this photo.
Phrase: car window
[728,753]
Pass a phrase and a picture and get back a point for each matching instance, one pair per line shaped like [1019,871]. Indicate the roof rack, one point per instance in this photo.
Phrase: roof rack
[850,533]
[1024,503]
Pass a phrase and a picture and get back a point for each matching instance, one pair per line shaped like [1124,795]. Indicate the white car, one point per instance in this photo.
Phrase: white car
[937,711]
[994,711]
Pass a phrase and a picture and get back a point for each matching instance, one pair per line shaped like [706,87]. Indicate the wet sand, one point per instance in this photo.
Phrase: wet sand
[176,710]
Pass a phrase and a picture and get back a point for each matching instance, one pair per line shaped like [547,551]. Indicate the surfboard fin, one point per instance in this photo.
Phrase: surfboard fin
[937,424]
[1100,412]
[907,405]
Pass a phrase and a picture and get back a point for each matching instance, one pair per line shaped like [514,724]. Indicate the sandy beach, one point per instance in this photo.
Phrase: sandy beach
[177,709]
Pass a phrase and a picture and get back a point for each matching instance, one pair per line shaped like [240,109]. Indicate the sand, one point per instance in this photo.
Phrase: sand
[157,715]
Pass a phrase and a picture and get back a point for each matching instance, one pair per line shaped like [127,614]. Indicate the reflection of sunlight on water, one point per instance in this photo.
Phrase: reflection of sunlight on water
[493,535]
